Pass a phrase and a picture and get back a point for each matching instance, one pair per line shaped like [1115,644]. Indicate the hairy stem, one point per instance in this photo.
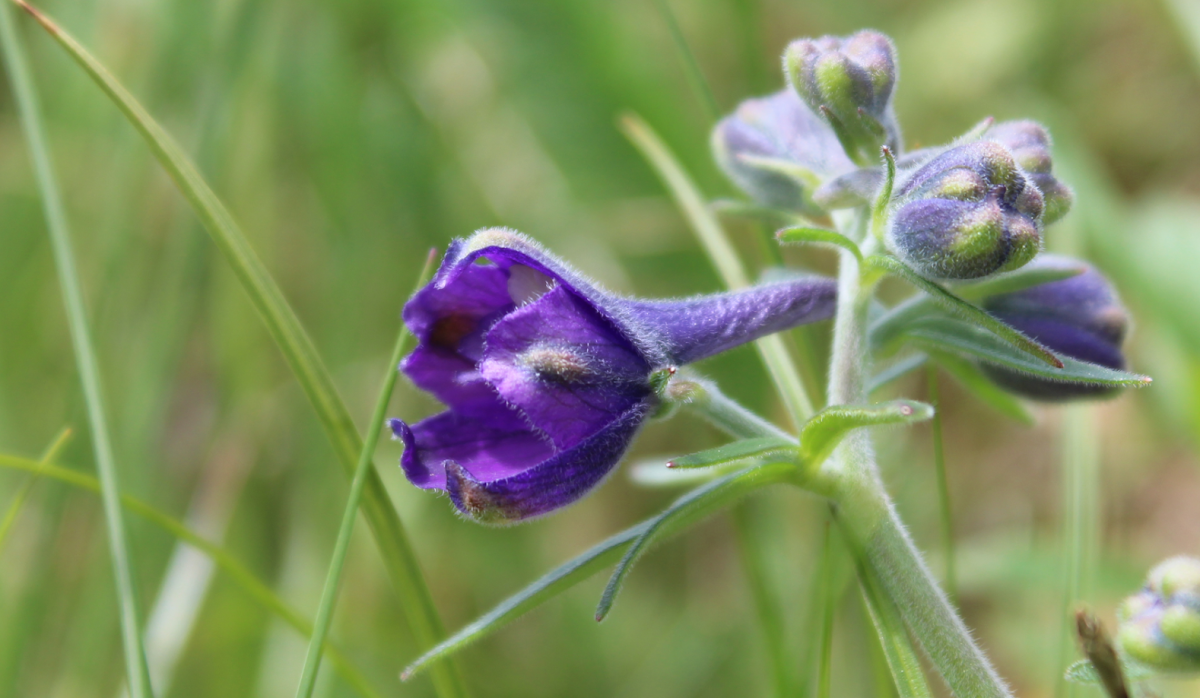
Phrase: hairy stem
[867,516]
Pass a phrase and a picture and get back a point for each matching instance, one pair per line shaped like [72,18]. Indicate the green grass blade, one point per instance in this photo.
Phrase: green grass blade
[970,313]
[724,257]
[896,371]
[25,95]
[18,500]
[691,66]
[970,377]
[296,346]
[806,234]
[312,662]
[939,463]
[691,507]
[243,577]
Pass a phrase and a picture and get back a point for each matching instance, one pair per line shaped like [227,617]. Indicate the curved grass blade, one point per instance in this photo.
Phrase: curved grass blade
[897,370]
[712,237]
[297,348]
[238,572]
[941,334]
[312,662]
[805,234]
[690,507]
[595,559]
[25,95]
[1014,281]
[18,500]
[970,377]
[957,306]
[822,433]
[736,452]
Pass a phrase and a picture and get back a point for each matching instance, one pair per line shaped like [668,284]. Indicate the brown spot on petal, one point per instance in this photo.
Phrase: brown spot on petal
[449,331]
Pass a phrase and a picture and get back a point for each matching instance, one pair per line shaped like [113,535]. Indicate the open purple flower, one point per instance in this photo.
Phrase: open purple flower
[548,378]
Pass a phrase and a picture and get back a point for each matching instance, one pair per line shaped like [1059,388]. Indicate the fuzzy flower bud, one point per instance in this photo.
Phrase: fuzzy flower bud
[1029,143]
[548,378]
[1160,625]
[777,150]
[1080,317]
[967,213]
[850,80]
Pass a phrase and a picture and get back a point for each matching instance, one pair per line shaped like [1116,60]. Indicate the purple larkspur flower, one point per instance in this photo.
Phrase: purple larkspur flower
[1080,317]
[547,377]
[1029,143]
[777,150]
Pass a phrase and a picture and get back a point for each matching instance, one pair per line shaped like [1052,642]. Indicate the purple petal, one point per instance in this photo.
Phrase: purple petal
[552,484]
[695,328]
[564,367]
[495,447]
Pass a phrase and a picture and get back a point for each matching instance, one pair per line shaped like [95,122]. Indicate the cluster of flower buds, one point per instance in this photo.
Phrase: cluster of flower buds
[850,82]
[1029,144]
[1080,317]
[968,212]
[1160,625]
[547,377]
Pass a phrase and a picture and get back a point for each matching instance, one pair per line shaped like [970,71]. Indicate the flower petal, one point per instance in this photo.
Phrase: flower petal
[494,447]
[560,480]
[564,367]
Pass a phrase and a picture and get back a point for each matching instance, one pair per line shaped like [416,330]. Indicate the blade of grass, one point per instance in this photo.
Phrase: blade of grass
[297,348]
[939,462]
[712,237]
[25,95]
[243,577]
[18,500]
[691,66]
[312,662]
[767,606]
[828,597]
[1081,526]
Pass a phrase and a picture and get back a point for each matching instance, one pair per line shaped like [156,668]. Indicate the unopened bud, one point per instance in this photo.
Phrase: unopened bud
[965,214]
[1079,317]
[1030,145]
[1160,625]
[850,80]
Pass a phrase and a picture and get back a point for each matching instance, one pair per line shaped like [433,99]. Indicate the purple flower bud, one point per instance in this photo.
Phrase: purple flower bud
[547,377]
[1160,626]
[768,134]
[1080,317]
[1029,143]
[967,213]
[850,80]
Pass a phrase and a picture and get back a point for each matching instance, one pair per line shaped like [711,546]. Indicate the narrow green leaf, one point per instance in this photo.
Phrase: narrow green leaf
[953,335]
[902,657]
[975,382]
[823,432]
[18,500]
[238,572]
[733,453]
[691,507]
[724,257]
[297,348]
[695,76]
[1014,281]
[970,313]
[950,579]
[26,98]
[895,371]
[805,234]
[312,662]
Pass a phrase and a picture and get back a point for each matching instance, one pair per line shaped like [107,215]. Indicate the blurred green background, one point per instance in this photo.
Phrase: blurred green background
[349,137]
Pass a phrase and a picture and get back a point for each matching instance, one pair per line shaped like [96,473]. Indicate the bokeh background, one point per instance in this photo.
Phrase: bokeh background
[349,137]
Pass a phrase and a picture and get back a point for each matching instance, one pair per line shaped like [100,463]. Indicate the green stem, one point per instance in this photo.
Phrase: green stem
[939,462]
[866,513]
[18,500]
[770,618]
[1080,526]
[828,607]
[138,672]
[312,662]
[726,414]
